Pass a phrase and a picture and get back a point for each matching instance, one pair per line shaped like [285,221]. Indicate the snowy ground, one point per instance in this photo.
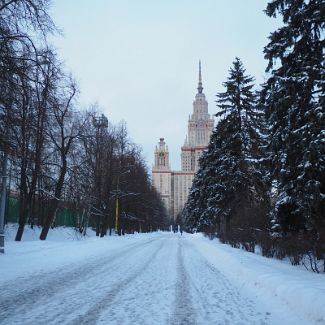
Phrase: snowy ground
[159,278]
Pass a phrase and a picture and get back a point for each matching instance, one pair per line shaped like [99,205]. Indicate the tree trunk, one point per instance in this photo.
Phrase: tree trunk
[22,217]
[54,202]
[22,201]
[20,232]
[97,226]
[49,219]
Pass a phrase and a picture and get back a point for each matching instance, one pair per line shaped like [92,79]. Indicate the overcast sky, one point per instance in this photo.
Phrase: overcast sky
[139,58]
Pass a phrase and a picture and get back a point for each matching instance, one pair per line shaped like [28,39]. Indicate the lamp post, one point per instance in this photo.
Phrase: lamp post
[116,212]
[100,123]
[3,201]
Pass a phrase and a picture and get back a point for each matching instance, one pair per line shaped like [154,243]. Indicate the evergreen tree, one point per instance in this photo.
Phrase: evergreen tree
[240,102]
[294,97]
[228,191]
[196,214]
[194,206]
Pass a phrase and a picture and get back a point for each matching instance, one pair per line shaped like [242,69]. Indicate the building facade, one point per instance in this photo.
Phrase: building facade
[174,186]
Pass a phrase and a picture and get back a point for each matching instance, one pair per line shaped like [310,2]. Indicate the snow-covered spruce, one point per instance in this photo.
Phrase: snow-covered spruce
[294,98]
[229,195]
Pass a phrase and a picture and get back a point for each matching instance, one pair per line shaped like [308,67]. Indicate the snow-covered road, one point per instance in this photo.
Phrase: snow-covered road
[159,279]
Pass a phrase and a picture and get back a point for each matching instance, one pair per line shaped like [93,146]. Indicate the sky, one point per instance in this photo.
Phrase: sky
[138,59]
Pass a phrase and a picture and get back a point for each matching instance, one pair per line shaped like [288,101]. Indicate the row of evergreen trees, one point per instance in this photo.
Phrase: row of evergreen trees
[262,178]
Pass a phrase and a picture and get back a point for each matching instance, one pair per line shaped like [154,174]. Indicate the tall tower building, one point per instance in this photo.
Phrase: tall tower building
[174,186]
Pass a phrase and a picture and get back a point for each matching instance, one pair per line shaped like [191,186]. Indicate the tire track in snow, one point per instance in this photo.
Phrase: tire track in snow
[184,312]
[94,312]
[220,302]
[148,299]
[19,296]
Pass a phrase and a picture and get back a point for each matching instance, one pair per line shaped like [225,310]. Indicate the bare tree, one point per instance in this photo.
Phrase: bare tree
[63,129]
[30,135]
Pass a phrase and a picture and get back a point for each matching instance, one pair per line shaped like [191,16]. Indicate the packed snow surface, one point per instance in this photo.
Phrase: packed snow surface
[157,278]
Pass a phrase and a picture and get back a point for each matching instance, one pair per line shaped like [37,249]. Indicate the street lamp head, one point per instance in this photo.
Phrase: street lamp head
[45,62]
[100,121]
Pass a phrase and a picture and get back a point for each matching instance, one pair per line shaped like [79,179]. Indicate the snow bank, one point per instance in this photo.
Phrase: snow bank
[302,291]
[64,246]
[55,234]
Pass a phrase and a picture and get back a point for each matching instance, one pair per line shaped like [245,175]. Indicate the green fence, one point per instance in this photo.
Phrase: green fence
[12,210]
[64,216]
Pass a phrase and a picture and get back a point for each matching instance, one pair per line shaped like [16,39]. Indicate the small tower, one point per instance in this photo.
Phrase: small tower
[161,175]
[161,156]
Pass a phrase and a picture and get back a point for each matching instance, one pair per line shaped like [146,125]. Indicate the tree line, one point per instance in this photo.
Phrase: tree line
[59,154]
[262,179]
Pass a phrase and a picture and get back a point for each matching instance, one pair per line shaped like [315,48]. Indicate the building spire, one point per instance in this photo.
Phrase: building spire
[200,88]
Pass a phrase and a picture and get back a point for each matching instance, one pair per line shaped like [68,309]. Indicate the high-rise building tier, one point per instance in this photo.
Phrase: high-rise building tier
[174,186]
